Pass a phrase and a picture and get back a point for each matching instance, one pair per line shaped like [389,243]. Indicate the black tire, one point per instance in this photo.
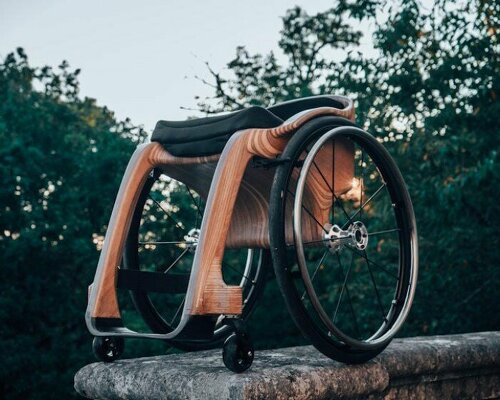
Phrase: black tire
[308,319]
[238,353]
[108,349]
[252,289]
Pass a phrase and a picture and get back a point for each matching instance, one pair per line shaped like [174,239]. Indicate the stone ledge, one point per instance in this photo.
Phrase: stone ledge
[445,367]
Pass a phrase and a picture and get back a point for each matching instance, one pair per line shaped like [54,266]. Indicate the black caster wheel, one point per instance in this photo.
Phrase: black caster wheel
[108,349]
[237,353]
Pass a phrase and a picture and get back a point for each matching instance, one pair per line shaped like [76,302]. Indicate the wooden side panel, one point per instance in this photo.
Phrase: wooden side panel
[197,177]
[250,223]
[103,301]
[333,168]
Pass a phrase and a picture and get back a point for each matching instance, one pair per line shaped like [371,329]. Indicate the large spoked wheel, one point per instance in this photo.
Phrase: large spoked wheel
[163,237]
[343,239]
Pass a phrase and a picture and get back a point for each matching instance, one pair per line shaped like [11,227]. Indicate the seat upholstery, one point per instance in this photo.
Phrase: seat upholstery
[207,136]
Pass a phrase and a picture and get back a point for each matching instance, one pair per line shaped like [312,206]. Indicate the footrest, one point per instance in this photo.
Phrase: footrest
[222,300]
[157,282]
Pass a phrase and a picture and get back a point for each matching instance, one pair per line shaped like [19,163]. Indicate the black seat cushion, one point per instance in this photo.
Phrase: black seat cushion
[207,136]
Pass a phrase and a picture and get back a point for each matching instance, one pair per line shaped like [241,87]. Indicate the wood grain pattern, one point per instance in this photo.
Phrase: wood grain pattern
[210,294]
[250,222]
[333,169]
[236,213]
[103,301]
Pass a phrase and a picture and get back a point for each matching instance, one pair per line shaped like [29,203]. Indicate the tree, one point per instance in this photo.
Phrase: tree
[61,161]
[431,94]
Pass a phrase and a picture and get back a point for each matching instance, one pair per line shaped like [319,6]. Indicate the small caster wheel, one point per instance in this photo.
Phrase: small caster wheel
[237,353]
[107,348]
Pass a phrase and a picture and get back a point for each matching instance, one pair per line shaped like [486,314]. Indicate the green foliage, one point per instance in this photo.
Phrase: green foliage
[431,94]
[61,161]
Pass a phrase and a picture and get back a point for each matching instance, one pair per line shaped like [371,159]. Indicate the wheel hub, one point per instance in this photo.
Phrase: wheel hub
[336,238]
[192,239]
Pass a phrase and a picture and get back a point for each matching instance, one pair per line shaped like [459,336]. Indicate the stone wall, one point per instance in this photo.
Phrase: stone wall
[446,367]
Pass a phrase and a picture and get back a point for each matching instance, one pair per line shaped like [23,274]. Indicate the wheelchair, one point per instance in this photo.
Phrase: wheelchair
[207,206]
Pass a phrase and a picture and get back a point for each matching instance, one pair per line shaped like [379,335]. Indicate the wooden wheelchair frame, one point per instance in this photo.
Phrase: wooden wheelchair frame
[236,215]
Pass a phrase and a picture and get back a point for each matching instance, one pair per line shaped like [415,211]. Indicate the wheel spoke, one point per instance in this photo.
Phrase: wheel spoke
[167,213]
[384,318]
[344,285]
[323,176]
[176,260]
[159,243]
[383,269]
[194,202]
[333,184]
[309,212]
[362,182]
[319,265]
[252,282]
[355,319]
[178,310]
[384,232]
[316,270]
[363,205]
[348,294]
[198,222]
[319,241]
[335,198]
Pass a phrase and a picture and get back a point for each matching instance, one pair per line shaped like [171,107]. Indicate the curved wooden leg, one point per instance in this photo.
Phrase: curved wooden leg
[103,304]
[210,294]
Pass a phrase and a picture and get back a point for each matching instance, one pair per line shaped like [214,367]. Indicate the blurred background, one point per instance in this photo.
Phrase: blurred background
[81,85]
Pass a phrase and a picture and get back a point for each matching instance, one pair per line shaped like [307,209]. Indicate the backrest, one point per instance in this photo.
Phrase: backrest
[290,108]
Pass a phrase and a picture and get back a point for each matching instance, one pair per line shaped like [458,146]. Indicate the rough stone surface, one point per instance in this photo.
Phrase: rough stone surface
[445,367]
